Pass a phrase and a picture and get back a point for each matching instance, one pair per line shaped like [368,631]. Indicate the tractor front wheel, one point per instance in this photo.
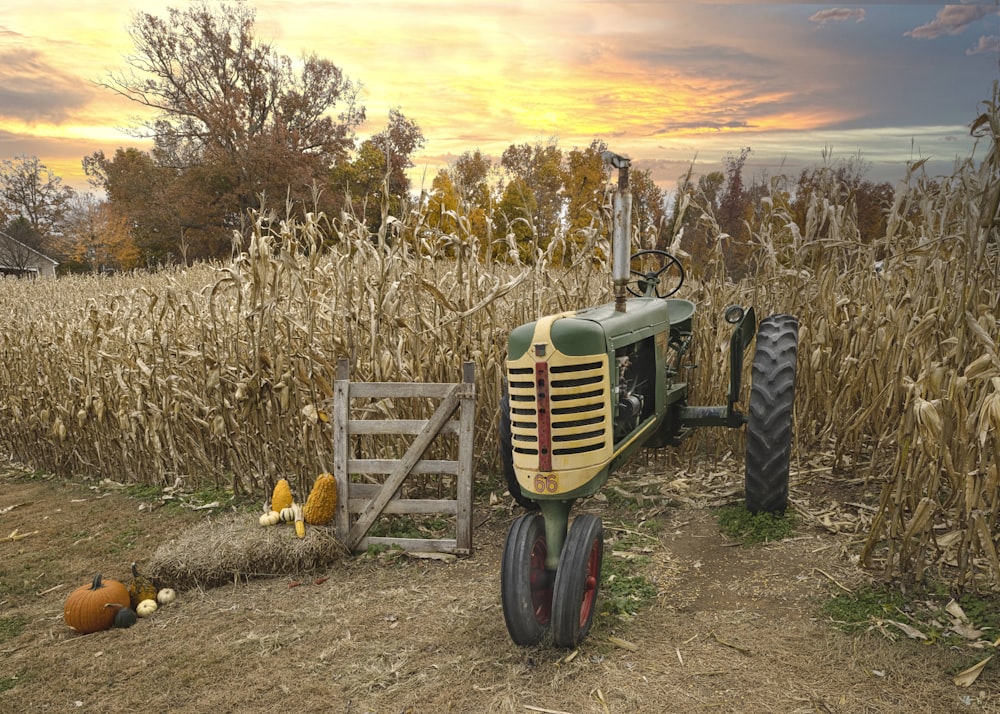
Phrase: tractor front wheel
[525,584]
[577,581]
[769,424]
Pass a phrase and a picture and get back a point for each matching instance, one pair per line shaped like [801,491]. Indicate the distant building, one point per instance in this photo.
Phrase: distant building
[20,260]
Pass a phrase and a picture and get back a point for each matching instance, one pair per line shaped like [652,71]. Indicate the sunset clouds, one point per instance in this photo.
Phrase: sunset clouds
[665,82]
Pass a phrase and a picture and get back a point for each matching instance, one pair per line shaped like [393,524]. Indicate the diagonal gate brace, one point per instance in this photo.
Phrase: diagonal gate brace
[395,479]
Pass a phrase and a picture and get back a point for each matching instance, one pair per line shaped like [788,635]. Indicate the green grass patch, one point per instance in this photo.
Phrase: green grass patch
[7,683]
[881,606]
[752,528]
[625,588]
[11,627]
[854,612]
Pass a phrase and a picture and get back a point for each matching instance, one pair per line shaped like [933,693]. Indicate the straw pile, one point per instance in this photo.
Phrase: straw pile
[236,548]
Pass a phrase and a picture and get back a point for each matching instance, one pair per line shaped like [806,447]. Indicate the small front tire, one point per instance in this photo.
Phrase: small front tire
[574,596]
[525,584]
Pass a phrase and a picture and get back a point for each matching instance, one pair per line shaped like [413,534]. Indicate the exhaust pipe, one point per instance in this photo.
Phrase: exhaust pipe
[621,233]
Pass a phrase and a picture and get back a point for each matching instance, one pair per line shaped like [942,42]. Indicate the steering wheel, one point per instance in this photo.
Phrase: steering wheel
[647,266]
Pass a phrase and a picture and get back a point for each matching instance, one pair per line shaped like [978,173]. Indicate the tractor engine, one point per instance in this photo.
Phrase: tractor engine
[634,397]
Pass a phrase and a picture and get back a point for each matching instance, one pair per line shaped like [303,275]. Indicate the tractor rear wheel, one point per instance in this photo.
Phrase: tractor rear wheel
[769,424]
[525,584]
[506,448]
[577,581]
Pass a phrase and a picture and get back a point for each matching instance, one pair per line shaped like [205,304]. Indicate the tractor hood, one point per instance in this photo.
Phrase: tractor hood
[601,329]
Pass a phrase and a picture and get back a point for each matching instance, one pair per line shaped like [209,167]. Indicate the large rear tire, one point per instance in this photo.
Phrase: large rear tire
[769,424]
[506,448]
[578,579]
[525,584]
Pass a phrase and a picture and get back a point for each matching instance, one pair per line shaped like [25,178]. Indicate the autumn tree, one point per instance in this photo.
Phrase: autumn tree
[515,215]
[232,117]
[441,215]
[95,238]
[471,176]
[535,170]
[143,193]
[584,178]
[375,182]
[649,210]
[30,194]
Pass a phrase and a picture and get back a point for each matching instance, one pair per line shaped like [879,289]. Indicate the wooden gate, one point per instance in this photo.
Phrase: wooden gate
[369,500]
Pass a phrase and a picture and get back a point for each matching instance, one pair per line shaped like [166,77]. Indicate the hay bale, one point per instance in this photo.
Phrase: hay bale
[236,547]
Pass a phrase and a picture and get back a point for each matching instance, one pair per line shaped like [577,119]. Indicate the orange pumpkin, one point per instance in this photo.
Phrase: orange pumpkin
[91,608]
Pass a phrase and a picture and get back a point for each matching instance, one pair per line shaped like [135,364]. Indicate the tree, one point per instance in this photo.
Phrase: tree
[584,177]
[140,193]
[515,213]
[649,210]
[29,191]
[470,175]
[733,201]
[377,175]
[538,170]
[95,238]
[234,118]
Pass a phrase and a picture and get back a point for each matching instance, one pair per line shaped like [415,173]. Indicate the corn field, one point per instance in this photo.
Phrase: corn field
[218,376]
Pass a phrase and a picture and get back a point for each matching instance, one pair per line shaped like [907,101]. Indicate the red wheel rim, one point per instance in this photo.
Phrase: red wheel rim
[541,583]
[590,582]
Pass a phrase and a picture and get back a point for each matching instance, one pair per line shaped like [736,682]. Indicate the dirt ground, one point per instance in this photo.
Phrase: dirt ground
[734,629]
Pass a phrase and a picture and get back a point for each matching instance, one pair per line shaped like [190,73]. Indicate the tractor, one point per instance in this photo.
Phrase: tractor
[586,389]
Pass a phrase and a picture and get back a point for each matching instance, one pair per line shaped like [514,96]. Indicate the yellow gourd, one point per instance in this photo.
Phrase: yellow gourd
[140,588]
[322,501]
[281,497]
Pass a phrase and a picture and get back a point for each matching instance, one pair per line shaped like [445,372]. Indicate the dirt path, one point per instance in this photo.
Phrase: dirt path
[734,630]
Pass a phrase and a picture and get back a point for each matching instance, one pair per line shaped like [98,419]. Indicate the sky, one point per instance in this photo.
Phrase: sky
[668,84]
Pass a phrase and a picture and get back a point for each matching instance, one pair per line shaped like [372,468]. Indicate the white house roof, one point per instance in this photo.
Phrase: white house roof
[34,252]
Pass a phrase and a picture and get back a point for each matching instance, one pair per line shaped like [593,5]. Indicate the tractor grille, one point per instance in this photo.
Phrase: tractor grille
[559,409]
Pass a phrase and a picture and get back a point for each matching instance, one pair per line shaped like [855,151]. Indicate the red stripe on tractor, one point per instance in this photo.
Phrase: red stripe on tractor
[544,423]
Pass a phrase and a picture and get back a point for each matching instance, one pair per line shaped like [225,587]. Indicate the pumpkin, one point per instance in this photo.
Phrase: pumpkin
[91,608]
[146,608]
[125,617]
[166,596]
[270,518]
[281,497]
[287,514]
[322,501]
[140,588]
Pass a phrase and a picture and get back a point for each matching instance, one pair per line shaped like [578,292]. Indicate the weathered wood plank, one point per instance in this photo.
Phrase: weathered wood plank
[341,448]
[386,466]
[399,506]
[427,545]
[401,390]
[466,442]
[396,426]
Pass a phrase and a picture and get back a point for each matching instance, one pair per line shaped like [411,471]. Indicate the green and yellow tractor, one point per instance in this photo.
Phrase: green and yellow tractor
[586,389]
